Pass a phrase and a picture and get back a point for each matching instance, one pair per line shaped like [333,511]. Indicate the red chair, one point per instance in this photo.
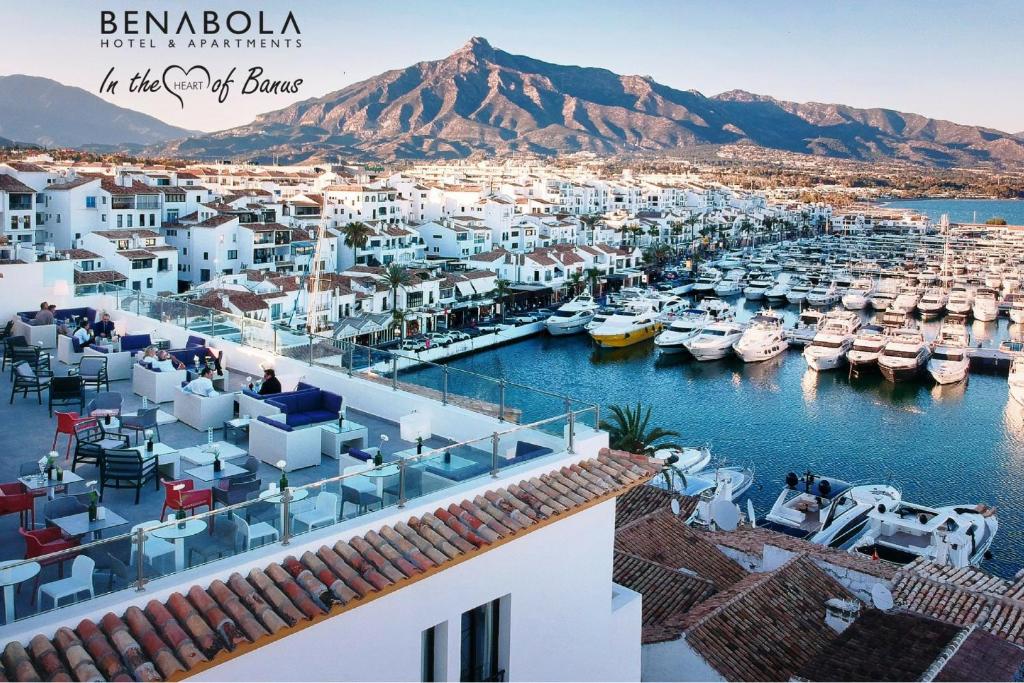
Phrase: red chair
[15,497]
[188,499]
[66,425]
[39,542]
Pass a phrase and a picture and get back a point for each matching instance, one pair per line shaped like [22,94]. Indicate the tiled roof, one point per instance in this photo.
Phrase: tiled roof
[25,167]
[666,539]
[198,629]
[882,646]
[668,594]
[136,254]
[93,277]
[70,184]
[767,626]
[136,187]
[125,233]
[9,183]
[263,227]
[214,221]
[78,253]
[984,657]
[643,500]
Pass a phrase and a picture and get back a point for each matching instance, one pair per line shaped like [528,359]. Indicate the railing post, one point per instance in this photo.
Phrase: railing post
[140,554]
[351,357]
[572,432]
[394,372]
[275,349]
[286,527]
[209,331]
[494,455]
[501,400]
[401,482]
[444,385]
[597,416]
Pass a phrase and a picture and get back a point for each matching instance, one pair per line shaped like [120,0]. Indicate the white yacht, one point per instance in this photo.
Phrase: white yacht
[830,512]
[687,459]
[1017,310]
[600,316]
[777,293]
[798,292]
[636,322]
[883,297]
[823,295]
[730,285]
[986,307]
[856,297]
[949,362]
[932,303]
[960,301]
[956,535]
[1016,380]
[806,327]
[572,317]
[757,287]
[764,339]
[716,307]
[867,344]
[706,281]
[686,326]
[906,301]
[903,355]
[827,350]
[715,341]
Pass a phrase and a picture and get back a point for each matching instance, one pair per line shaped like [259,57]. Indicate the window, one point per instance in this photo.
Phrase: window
[90,202]
[130,220]
[206,256]
[232,253]
[142,220]
[171,232]
[184,251]
[137,285]
[152,219]
[432,653]
[120,221]
[149,283]
[162,265]
[204,275]
[481,632]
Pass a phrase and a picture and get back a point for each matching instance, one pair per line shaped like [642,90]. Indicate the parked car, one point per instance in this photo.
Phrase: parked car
[457,335]
[439,339]
[414,344]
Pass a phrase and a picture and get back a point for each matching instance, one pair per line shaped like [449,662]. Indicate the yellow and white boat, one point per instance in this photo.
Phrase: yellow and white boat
[637,322]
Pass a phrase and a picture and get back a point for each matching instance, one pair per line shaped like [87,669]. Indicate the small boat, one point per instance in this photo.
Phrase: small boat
[798,292]
[867,344]
[960,300]
[572,317]
[823,295]
[903,355]
[906,301]
[716,307]
[956,535]
[764,339]
[730,285]
[827,511]
[949,361]
[856,297]
[757,287]
[687,459]
[828,349]
[806,327]
[715,341]
[687,325]
[705,282]
[932,303]
[777,293]
[636,322]
[986,306]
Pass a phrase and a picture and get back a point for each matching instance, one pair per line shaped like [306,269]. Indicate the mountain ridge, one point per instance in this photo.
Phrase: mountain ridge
[46,112]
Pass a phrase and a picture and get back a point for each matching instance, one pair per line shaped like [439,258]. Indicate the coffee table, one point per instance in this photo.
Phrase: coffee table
[232,428]
[334,441]
[79,524]
[11,574]
[177,533]
[202,455]
[37,482]
[166,457]
[206,473]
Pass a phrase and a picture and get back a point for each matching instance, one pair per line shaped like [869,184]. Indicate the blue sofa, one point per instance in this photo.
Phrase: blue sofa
[63,314]
[305,407]
[301,386]
[194,341]
[206,355]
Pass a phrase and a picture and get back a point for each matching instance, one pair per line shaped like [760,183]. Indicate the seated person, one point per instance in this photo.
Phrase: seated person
[44,316]
[271,384]
[104,329]
[83,335]
[148,356]
[202,385]
[165,362]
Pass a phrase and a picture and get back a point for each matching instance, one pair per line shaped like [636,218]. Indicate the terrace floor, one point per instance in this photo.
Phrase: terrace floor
[27,432]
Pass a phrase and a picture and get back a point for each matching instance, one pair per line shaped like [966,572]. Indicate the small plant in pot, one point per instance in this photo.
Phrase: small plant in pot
[216,459]
[94,500]
[149,440]
[283,483]
[180,514]
[419,445]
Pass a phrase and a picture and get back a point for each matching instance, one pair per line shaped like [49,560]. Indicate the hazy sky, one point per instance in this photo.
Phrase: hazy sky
[952,60]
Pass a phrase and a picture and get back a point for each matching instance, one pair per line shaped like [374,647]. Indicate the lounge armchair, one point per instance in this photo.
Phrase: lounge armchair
[91,440]
[254,404]
[310,406]
[271,439]
[229,492]
[15,497]
[68,350]
[158,387]
[143,419]
[11,343]
[189,498]
[203,412]
[126,469]
[26,380]
[119,363]
[324,513]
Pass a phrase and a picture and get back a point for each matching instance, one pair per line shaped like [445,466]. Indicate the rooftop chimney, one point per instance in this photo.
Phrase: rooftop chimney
[224,300]
[839,613]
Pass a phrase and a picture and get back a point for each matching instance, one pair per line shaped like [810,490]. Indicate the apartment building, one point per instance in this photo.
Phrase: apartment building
[142,255]
[454,238]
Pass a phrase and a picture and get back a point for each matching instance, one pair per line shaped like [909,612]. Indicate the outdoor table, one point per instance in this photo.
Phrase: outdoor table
[203,455]
[379,474]
[232,428]
[177,533]
[35,482]
[277,498]
[206,472]
[165,456]
[334,440]
[12,573]
[79,525]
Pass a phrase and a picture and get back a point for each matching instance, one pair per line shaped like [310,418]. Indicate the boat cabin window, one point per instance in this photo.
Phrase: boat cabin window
[948,355]
[896,353]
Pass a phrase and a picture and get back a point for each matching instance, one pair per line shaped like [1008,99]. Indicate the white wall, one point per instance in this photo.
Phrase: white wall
[675,661]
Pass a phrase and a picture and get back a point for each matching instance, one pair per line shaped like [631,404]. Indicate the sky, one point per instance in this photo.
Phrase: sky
[951,60]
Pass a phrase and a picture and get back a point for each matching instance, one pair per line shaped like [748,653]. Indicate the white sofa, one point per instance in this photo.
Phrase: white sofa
[37,335]
[66,351]
[298,448]
[156,386]
[254,407]
[119,363]
[203,412]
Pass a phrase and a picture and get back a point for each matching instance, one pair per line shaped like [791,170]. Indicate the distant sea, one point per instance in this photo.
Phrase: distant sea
[966,210]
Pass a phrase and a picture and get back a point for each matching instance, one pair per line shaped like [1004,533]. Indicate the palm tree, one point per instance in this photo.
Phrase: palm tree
[396,278]
[628,430]
[501,289]
[574,282]
[594,277]
[356,234]
[399,316]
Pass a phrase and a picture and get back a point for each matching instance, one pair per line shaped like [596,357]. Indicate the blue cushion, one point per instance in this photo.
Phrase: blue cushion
[360,455]
[193,340]
[134,342]
[310,417]
[527,451]
[275,423]
[76,346]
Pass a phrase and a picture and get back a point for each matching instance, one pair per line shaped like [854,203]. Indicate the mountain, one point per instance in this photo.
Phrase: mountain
[45,112]
[483,100]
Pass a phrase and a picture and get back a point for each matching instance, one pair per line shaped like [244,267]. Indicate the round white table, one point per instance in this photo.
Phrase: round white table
[278,499]
[11,574]
[379,474]
[177,533]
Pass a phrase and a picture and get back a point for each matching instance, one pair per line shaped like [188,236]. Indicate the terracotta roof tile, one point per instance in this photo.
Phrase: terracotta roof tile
[668,594]
[643,500]
[192,631]
[984,657]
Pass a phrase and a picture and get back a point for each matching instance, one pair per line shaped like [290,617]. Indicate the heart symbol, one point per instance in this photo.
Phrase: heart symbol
[184,76]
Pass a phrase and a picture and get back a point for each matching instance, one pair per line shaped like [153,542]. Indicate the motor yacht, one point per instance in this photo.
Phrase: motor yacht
[764,339]
[777,293]
[906,301]
[1017,310]
[823,295]
[572,317]
[903,355]
[986,307]
[882,298]
[798,292]
[932,303]
[757,287]
[686,326]
[856,297]
[636,322]
[715,341]
[867,344]
[600,316]
[705,282]
[1016,380]
[806,327]
[960,301]
[949,361]
[827,511]
[956,535]
[686,460]
[716,307]
[827,350]
[730,285]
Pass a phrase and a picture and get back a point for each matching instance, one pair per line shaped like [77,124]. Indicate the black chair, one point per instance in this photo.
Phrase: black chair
[66,391]
[6,332]
[62,506]
[11,343]
[145,418]
[90,442]
[26,380]
[235,490]
[93,371]
[37,359]
[125,468]
[112,558]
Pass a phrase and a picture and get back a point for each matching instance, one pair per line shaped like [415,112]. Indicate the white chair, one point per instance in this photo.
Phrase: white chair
[154,548]
[80,581]
[158,387]
[119,363]
[66,350]
[325,512]
[203,412]
[260,531]
[360,491]
[299,447]
[37,335]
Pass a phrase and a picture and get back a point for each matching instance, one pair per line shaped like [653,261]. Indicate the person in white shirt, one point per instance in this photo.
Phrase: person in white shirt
[202,385]
[148,357]
[83,335]
[165,362]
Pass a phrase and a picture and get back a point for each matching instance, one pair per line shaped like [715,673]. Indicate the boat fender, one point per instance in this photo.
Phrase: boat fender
[881,508]
[824,487]
[792,480]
